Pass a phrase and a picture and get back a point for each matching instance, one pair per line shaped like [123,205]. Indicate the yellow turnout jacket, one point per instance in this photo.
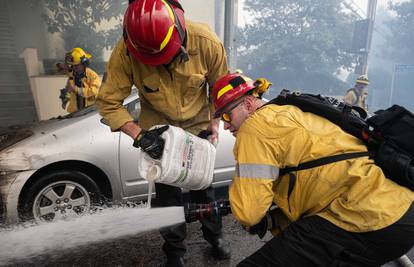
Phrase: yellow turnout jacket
[90,86]
[175,94]
[357,97]
[352,194]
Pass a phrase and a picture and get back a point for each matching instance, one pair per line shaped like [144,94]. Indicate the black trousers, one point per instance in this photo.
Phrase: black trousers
[314,241]
[167,195]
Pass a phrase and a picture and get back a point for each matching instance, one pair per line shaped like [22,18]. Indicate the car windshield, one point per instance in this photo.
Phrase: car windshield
[78,113]
[87,110]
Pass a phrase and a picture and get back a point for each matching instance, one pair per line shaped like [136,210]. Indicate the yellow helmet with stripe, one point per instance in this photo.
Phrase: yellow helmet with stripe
[362,79]
[77,56]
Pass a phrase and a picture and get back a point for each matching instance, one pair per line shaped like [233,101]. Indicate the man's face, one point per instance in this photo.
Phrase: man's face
[234,115]
[79,68]
[360,86]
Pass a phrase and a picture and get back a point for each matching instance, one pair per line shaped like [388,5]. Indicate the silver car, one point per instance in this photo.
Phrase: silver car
[58,168]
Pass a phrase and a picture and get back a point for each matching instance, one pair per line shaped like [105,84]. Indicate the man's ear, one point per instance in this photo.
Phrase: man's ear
[249,102]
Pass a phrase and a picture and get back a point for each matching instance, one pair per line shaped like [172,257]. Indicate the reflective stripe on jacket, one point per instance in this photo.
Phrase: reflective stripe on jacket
[90,87]
[175,94]
[352,194]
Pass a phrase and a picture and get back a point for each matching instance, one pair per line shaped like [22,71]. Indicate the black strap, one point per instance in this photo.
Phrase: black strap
[323,161]
[292,182]
[176,3]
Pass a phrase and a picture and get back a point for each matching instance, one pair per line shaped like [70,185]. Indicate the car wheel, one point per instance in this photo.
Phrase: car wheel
[60,195]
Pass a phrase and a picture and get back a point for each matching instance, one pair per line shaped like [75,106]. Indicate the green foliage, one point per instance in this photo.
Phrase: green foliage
[402,29]
[299,44]
[80,22]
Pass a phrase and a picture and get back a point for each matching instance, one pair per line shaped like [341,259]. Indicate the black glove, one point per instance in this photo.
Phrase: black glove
[260,228]
[268,222]
[151,141]
[204,134]
[64,97]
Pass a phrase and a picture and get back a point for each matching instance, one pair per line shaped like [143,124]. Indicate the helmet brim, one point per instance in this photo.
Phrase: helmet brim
[218,112]
[362,82]
[164,57]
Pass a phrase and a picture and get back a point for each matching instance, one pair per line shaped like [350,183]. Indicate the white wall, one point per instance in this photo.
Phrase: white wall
[200,11]
[46,91]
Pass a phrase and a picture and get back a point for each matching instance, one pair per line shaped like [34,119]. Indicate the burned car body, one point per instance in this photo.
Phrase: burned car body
[58,167]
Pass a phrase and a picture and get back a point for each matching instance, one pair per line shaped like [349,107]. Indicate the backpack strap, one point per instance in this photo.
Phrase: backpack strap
[323,161]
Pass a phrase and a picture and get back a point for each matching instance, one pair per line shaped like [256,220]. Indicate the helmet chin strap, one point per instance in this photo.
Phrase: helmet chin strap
[184,54]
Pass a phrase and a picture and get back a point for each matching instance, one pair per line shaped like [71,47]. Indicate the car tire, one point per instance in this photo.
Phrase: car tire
[59,194]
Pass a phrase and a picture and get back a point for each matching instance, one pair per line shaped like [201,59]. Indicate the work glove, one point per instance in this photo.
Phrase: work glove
[151,142]
[64,97]
[204,134]
[267,223]
[208,135]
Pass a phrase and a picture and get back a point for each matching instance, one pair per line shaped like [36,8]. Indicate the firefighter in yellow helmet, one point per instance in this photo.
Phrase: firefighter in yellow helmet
[344,213]
[172,62]
[83,83]
[357,96]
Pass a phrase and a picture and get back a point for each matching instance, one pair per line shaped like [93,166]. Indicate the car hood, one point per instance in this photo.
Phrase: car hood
[14,134]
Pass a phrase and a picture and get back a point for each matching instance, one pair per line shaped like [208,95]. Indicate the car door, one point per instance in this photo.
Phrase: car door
[225,162]
[133,185]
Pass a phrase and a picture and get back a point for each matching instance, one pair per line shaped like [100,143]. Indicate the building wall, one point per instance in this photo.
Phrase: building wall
[46,91]
[200,10]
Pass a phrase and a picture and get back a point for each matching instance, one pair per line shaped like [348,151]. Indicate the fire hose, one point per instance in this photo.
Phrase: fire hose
[194,211]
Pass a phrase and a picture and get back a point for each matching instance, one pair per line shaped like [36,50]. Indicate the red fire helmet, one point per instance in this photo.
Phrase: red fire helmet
[228,88]
[155,30]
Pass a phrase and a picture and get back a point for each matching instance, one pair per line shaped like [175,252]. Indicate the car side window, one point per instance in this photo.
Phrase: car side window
[134,108]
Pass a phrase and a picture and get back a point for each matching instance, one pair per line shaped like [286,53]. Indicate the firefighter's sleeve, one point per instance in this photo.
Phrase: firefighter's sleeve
[90,90]
[251,193]
[217,65]
[116,86]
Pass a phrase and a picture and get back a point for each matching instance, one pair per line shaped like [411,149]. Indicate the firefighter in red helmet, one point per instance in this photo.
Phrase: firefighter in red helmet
[342,213]
[172,62]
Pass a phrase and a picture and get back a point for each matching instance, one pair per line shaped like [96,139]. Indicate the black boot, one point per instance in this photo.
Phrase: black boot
[221,249]
[174,262]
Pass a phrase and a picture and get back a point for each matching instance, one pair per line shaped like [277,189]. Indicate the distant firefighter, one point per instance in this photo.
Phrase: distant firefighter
[83,83]
[357,96]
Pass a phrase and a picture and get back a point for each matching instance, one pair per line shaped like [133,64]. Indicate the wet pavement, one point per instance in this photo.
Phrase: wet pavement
[145,250]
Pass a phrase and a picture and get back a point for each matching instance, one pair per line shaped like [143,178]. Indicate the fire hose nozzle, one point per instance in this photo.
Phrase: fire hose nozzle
[195,211]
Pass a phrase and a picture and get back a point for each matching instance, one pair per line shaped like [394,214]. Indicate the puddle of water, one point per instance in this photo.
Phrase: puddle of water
[25,242]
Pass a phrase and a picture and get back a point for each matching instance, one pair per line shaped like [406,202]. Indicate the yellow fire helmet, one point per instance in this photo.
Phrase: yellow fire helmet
[362,79]
[77,56]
